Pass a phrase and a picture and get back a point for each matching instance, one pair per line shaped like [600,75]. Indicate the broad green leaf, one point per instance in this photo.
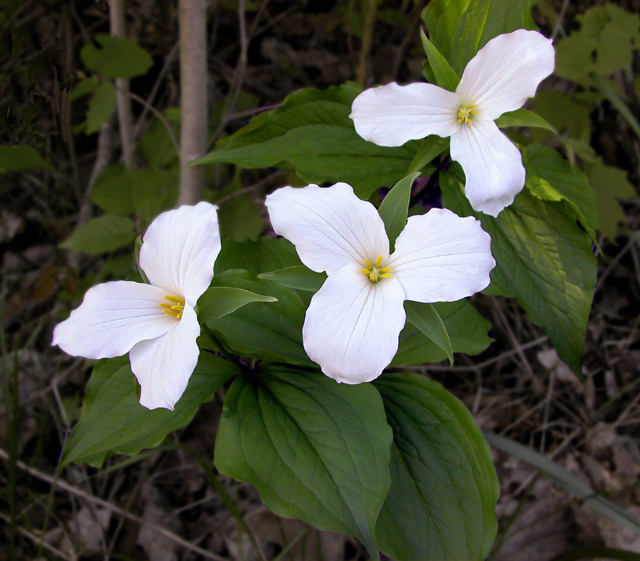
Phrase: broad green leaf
[237,214]
[425,317]
[466,328]
[551,178]
[269,331]
[544,261]
[459,28]
[100,107]
[122,191]
[156,145]
[565,479]
[566,112]
[84,87]
[113,421]
[262,256]
[101,235]
[315,449]
[574,56]
[523,118]
[431,147]
[610,184]
[299,277]
[395,206]
[443,485]
[23,156]
[219,301]
[116,57]
[445,76]
[313,134]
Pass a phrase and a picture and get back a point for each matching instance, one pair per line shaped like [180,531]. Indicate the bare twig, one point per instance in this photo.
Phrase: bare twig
[64,486]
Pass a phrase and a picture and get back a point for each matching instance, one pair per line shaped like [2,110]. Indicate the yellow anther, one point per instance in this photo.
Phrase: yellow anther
[174,309]
[465,113]
[375,272]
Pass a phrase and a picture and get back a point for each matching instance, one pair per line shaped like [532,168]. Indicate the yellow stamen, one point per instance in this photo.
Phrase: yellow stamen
[174,309]
[375,272]
[465,112]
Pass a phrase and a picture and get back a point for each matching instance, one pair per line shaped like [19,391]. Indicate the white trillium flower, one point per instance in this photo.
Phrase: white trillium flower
[155,323]
[353,322]
[500,78]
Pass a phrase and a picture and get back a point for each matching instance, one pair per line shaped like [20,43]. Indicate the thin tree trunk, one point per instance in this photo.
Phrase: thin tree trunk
[193,98]
[123,102]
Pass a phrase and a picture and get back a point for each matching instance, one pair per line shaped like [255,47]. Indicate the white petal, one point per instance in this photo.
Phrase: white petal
[164,365]
[506,72]
[492,166]
[391,115]
[179,250]
[352,326]
[112,318]
[330,227]
[440,257]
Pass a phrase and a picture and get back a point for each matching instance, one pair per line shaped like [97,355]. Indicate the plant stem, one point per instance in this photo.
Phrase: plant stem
[367,37]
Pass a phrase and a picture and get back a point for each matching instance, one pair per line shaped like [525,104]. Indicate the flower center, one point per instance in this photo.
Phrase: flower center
[465,112]
[174,309]
[374,272]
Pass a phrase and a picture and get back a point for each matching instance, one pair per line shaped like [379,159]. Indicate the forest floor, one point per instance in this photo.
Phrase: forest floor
[161,505]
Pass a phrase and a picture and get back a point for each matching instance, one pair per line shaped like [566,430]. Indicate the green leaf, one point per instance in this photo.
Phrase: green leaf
[466,328]
[551,178]
[610,184]
[84,87]
[122,191]
[23,156]
[395,206]
[443,485]
[523,118]
[565,479]
[315,449]
[431,147]
[261,256]
[459,28]
[117,57]
[270,331]
[113,421]
[445,76]
[425,317]
[100,107]
[237,214]
[156,145]
[219,301]
[313,134]
[299,277]
[101,235]
[544,261]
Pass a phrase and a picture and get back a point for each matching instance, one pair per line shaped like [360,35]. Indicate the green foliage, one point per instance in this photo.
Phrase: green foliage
[444,75]
[218,301]
[113,422]
[315,449]
[425,317]
[443,484]
[122,191]
[459,28]
[609,184]
[523,118]
[313,134]
[100,107]
[466,329]
[299,277]
[116,57]
[607,38]
[16,158]
[102,234]
[237,215]
[395,206]
[544,260]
